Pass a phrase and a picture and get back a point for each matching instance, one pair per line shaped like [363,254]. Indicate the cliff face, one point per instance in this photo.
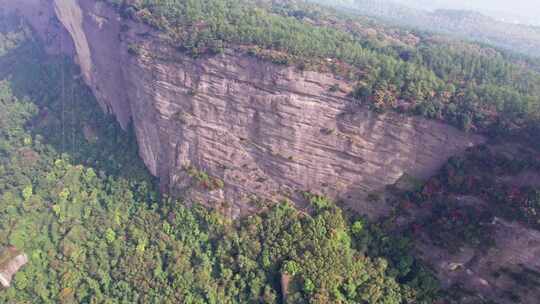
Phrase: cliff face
[232,130]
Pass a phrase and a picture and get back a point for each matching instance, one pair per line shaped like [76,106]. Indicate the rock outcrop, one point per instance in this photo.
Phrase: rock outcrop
[234,131]
[11,261]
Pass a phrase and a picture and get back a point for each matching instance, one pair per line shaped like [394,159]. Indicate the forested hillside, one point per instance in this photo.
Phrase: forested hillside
[76,199]
[475,87]
[464,24]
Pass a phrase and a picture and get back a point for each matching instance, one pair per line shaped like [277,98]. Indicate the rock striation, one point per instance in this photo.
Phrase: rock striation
[234,131]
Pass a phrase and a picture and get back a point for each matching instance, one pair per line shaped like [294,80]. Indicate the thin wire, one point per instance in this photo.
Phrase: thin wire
[73,113]
[63,96]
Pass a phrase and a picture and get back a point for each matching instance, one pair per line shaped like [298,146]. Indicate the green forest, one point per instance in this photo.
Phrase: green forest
[75,197]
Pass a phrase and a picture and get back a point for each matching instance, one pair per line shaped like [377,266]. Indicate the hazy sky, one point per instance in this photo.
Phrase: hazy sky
[512,10]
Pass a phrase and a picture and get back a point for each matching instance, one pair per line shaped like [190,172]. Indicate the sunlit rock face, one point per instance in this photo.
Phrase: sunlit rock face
[233,131]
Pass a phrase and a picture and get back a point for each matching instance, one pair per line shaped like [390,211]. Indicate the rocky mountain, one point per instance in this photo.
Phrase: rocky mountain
[235,132]
[239,129]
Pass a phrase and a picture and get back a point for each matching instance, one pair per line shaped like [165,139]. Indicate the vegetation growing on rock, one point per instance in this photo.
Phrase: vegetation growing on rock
[471,86]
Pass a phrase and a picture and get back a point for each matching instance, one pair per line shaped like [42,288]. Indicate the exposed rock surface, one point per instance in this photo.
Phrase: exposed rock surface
[509,268]
[504,266]
[11,261]
[266,131]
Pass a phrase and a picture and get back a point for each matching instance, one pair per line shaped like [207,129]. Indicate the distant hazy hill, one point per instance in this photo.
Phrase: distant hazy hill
[516,11]
[463,23]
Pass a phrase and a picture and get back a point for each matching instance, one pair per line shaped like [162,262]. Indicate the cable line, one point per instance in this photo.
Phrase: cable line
[62,100]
